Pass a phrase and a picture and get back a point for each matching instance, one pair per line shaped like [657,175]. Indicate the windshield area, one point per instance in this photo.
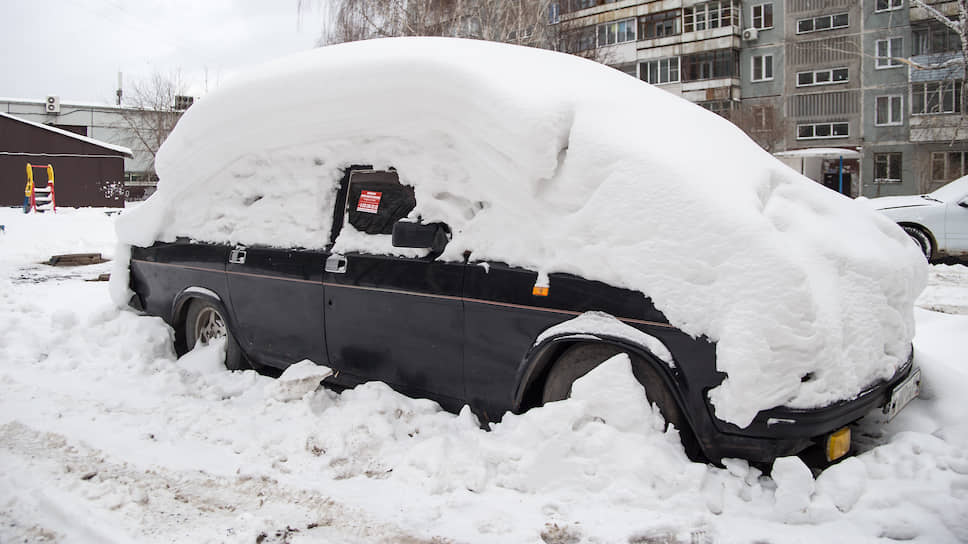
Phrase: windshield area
[955,190]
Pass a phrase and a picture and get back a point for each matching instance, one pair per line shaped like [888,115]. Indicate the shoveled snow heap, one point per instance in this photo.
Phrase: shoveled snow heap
[559,164]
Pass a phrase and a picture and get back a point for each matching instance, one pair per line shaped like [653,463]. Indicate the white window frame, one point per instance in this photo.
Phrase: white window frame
[762,15]
[628,21]
[764,62]
[889,58]
[725,12]
[891,121]
[889,154]
[659,68]
[817,18]
[942,88]
[830,81]
[891,6]
[830,124]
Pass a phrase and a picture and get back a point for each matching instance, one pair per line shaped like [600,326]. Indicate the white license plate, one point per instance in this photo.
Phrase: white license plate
[903,393]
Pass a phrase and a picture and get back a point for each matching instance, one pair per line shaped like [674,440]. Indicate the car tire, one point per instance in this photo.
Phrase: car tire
[579,360]
[205,321]
[922,239]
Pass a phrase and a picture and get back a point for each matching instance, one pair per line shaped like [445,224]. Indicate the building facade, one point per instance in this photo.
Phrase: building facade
[799,74]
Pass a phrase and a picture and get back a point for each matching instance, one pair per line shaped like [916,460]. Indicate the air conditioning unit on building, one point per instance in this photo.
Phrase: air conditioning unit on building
[750,34]
[52,105]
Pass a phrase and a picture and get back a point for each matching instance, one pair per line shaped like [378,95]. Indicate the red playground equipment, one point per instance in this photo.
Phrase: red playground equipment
[39,199]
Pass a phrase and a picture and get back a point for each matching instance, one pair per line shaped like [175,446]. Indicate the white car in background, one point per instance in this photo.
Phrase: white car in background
[937,221]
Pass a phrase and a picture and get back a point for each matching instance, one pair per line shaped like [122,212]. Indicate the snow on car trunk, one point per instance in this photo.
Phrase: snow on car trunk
[558,164]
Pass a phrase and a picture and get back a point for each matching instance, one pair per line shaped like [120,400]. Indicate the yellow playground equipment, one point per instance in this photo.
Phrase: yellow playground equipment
[39,199]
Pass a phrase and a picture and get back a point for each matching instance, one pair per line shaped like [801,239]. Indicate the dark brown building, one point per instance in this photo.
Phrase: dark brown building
[87,172]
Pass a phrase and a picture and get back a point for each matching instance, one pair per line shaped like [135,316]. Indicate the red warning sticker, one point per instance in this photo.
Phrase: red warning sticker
[369,201]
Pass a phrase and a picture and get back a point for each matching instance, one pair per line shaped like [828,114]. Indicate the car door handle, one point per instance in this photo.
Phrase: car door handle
[237,255]
[336,264]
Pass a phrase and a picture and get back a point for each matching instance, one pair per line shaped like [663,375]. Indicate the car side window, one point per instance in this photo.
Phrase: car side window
[377,200]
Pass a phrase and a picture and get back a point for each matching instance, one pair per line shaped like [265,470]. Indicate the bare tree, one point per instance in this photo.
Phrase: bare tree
[762,124]
[959,27]
[151,109]
[523,22]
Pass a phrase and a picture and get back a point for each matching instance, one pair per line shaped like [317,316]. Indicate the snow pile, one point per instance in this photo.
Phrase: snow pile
[611,179]
[106,436]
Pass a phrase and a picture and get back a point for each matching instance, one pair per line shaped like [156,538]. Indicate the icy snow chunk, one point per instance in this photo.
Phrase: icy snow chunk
[205,358]
[297,380]
[611,392]
[794,488]
[843,483]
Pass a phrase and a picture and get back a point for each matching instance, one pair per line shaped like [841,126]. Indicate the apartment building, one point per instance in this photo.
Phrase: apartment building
[801,74]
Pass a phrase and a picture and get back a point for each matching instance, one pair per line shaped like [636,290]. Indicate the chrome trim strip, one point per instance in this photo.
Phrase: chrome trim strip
[413,293]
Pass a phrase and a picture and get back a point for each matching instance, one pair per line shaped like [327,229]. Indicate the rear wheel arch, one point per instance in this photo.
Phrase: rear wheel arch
[660,383]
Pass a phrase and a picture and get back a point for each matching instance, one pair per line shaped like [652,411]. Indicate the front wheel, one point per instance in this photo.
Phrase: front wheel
[581,359]
[922,239]
[205,322]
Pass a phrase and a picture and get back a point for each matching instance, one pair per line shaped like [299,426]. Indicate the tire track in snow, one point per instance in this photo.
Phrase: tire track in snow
[52,490]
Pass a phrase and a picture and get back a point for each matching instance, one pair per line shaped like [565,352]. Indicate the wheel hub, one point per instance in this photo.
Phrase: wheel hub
[210,326]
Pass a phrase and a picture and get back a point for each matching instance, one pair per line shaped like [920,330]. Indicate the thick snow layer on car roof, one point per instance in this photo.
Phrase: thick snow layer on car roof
[560,164]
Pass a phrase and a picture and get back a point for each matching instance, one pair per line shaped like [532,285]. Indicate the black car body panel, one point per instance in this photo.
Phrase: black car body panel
[456,332]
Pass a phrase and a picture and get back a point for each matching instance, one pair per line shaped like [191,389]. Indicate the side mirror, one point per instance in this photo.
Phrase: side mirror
[433,236]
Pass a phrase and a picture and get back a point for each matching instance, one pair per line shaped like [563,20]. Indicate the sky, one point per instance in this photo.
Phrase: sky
[74,49]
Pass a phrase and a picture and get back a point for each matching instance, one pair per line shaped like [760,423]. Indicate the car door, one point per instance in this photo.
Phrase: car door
[956,225]
[390,318]
[277,304]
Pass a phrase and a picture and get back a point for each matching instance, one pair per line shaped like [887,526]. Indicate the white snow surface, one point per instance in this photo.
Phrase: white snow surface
[559,164]
[105,436]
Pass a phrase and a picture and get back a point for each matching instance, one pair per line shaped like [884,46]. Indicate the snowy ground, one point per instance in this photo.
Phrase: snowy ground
[106,437]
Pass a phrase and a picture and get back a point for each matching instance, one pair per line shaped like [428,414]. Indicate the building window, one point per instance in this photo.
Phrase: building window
[816,131]
[762,16]
[660,71]
[934,38]
[616,32]
[710,65]
[823,22]
[935,97]
[887,50]
[660,25]
[710,15]
[887,168]
[822,77]
[948,165]
[887,110]
[762,67]
[888,5]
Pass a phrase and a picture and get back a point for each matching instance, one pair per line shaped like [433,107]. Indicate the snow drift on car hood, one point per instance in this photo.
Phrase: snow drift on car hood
[559,164]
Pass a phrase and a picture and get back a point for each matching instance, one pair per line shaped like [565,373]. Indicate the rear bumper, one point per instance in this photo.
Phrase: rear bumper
[782,431]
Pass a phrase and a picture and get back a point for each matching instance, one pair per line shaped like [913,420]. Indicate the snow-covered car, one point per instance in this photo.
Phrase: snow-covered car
[937,221]
[482,224]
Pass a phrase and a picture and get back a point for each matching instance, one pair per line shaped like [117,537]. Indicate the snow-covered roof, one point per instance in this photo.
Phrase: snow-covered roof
[819,152]
[120,149]
[558,164]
